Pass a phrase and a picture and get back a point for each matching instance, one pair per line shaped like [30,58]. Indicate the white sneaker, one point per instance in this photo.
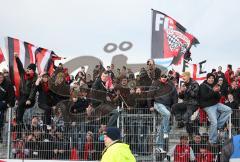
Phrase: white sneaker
[160,150]
[165,135]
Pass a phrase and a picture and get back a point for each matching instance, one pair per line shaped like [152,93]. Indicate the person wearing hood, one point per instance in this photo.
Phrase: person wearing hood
[28,78]
[115,150]
[218,113]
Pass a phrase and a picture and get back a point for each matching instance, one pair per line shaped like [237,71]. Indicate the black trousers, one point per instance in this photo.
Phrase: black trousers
[183,112]
[21,108]
[47,113]
[3,107]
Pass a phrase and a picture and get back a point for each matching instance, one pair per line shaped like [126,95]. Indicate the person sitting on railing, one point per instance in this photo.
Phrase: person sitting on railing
[164,94]
[217,113]
[189,92]
[28,78]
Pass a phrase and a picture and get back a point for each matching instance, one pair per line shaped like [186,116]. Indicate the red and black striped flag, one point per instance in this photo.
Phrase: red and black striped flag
[170,41]
[2,58]
[27,53]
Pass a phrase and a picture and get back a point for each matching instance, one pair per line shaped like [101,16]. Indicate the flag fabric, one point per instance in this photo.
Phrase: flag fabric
[197,70]
[53,58]
[43,56]
[169,38]
[2,58]
[27,53]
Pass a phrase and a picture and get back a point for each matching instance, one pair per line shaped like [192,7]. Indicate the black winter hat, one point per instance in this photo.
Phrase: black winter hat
[32,67]
[113,133]
[210,74]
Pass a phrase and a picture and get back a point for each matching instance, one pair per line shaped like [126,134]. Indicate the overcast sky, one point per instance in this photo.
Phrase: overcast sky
[82,27]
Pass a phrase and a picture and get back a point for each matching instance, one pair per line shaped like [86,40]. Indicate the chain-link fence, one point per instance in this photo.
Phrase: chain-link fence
[81,138]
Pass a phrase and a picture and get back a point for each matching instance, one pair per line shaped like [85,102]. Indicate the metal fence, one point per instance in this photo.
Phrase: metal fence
[83,139]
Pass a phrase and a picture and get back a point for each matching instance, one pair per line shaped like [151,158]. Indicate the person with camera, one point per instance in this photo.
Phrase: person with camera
[218,113]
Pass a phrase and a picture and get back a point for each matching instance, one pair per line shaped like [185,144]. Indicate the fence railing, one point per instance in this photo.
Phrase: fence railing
[83,139]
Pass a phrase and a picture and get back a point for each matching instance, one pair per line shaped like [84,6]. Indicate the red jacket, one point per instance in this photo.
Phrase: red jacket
[207,157]
[182,153]
[228,76]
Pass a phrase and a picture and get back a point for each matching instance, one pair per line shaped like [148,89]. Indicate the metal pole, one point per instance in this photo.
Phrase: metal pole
[230,126]
[122,125]
[9,133]
[154,136]
[118,124]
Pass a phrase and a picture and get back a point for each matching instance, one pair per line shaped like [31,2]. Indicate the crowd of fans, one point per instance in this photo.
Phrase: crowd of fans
[77,109]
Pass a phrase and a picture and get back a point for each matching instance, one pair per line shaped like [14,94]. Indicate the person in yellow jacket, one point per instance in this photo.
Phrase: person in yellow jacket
[115,150]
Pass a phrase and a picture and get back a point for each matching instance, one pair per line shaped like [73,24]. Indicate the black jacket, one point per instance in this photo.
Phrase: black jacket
[98,92]
[47,98]
[7,93]
[165,94]
[207,96]
[191,95]
[80,106]
[26,85]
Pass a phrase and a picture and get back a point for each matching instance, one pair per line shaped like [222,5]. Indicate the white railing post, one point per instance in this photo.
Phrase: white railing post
[9,133]
[230,127]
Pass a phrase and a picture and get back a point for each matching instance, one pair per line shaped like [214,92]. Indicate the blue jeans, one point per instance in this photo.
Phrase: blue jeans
[218,115]
[164,126]
[162,109]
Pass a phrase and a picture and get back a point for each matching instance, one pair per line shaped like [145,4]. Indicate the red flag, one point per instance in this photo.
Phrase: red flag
[25,53]
[169,38]
[74,154]
[54,57]
[43,57]
[2,58]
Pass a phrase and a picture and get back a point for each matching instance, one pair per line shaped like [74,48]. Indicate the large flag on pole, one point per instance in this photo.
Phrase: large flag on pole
[2,58]
[27,53]
[170,41]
